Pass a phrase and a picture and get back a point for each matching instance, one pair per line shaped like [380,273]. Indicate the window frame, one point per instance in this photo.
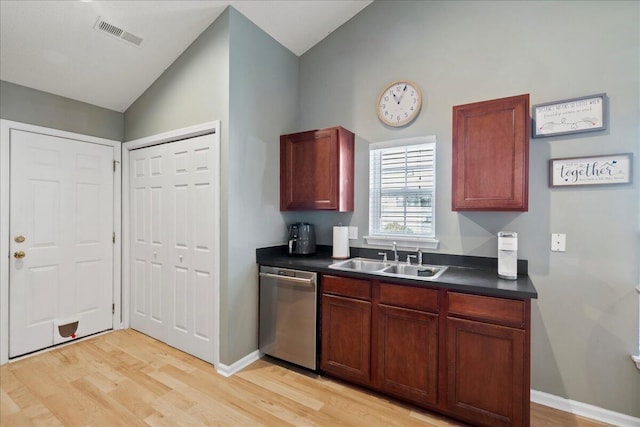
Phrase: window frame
[407,240]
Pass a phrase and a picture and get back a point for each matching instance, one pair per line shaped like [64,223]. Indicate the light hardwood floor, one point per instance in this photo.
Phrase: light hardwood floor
[125,378]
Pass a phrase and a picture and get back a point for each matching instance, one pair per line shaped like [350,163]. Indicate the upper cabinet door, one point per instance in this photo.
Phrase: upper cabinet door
[491,155]
[316,170]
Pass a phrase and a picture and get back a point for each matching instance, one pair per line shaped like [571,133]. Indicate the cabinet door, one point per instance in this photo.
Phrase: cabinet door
[485,373]
[408,353]
[346,338]
[316,170]
[491,155]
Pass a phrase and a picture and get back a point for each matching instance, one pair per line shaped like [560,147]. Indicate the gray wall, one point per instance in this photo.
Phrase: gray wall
[263,105]
[236,73]
[193,90]
[585,322]
[27,105]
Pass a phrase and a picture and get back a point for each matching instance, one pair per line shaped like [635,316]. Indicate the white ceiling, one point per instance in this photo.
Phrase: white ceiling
[51,45]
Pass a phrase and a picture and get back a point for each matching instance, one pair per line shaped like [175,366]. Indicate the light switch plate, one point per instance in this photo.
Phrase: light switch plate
[353,232]
[558,242]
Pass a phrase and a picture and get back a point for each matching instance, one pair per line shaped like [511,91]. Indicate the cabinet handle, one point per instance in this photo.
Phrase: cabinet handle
[300,280]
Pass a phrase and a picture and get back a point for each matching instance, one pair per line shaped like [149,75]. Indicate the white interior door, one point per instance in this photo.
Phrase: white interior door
[172,243]
[61,269]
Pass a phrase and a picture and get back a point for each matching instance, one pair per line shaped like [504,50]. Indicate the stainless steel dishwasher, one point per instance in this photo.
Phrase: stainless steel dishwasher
[288,301]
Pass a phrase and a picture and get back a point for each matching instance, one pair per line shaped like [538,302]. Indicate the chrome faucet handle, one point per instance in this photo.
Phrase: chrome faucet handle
[409,258]
[419,256]
[395,251]
[384,256]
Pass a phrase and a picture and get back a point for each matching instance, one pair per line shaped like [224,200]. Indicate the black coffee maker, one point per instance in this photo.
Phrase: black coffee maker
[302,239]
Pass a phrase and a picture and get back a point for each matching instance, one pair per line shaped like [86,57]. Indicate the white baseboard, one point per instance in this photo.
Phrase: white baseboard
[228,370]
[584,409]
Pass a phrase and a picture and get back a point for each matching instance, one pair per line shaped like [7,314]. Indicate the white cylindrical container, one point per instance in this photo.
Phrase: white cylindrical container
[508,255]
[340,242]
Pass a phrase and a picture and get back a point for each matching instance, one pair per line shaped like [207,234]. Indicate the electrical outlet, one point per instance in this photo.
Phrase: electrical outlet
[353,232]
[558,242]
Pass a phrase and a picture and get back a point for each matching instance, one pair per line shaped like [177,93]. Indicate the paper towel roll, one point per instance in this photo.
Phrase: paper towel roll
[340,242]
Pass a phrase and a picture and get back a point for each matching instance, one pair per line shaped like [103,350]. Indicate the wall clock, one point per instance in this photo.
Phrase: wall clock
[399,103]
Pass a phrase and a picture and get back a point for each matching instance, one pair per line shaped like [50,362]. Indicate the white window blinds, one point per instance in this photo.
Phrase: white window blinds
[402,188]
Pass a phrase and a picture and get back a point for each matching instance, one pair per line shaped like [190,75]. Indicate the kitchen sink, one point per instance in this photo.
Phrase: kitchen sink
[390,268]
[360,264]
[415,270]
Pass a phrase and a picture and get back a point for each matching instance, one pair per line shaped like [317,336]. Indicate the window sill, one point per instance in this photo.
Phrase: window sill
[403,241]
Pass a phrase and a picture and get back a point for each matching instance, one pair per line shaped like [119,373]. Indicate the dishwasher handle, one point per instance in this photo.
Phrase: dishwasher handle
[298,280]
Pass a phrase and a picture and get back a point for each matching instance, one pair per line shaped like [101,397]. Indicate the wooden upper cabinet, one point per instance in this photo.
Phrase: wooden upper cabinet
[316,170]
[491,155]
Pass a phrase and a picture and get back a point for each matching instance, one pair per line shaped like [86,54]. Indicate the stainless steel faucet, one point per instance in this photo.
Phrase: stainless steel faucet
[419,256]
[395,251]
[384,256]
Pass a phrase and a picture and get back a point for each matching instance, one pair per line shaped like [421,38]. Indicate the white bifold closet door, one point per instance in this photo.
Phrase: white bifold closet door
[172,236]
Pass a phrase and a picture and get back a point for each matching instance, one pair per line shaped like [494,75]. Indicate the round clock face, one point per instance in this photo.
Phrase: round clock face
[399,103]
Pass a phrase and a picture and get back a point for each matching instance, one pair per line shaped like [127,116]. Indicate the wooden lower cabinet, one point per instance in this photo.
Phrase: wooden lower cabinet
[346,333]
[408,354]
[466,356]
[488,359]
[485,373]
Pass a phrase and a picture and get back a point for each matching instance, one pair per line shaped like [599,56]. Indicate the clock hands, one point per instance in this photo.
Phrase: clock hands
[402,94]
[399,98]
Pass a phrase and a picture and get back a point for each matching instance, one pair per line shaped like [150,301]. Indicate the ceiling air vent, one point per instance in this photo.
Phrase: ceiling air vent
[117,32]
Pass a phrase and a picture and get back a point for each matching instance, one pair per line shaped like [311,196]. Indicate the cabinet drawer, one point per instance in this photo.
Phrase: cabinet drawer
[347,287]
[492,309]
[409,297]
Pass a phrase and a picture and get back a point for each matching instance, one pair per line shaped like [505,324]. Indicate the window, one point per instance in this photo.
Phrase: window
[402,190]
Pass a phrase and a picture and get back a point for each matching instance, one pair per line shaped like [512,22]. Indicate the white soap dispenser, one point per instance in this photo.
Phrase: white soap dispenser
[508,255]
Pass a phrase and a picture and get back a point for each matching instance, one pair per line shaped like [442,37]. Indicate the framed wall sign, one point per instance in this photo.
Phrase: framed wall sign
[595,170]
[584,114]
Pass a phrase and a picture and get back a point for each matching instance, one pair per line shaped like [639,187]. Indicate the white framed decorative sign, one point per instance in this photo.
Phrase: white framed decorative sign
[584,114]
[592,170]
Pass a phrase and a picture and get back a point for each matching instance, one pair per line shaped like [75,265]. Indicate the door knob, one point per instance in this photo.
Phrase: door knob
[19,254]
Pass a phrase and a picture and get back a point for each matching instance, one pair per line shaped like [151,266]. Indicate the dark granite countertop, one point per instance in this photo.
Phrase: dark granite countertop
[477,275]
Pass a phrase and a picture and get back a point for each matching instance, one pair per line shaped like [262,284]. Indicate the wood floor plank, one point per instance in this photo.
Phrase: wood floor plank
[125,378]
[136,398]
[211,394]
[169,415]
[16,419]
[74,408]
[282,388]
[7,405]
[107,403]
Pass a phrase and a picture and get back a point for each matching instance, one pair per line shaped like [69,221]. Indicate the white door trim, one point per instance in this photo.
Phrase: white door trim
[174,135]
[5,129]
